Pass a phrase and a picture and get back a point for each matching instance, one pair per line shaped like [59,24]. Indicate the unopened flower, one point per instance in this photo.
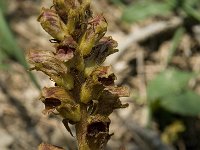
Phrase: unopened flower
[97,29]
[52,24]
[62,7]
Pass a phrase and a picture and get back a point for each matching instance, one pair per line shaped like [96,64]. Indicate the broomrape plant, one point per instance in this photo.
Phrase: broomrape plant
[84,94]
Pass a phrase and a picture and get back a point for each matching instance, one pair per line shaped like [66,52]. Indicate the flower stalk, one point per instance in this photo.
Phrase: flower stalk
[85,93]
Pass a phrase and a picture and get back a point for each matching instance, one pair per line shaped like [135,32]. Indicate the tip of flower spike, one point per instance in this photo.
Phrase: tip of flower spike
[65,54]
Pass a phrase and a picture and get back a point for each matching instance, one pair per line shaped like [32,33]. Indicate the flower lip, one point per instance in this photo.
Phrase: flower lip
[107,81]
[65,50]
[65,54]
[52,102]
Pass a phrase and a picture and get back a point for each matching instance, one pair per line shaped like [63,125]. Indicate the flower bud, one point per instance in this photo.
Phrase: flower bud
[52,24]
[62,7]
[85,12]
[93,34]
[99,23]
[87,42]
[72,20]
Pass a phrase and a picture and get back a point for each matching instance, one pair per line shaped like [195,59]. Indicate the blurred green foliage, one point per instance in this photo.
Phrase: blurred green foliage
[144,9]
[9,48]
[141,10]
[170,91]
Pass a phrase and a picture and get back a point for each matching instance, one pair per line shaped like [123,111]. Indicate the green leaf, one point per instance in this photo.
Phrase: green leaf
[142,10]
[168,83]
[186,103]
[169,90]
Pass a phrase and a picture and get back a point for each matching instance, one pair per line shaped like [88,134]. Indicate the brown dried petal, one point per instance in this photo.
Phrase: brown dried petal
[68,42]
[119,91]
[108,102]
[98,131]
[104,75]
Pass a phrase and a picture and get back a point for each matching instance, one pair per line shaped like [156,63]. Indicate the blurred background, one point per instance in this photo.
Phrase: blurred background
[159,60]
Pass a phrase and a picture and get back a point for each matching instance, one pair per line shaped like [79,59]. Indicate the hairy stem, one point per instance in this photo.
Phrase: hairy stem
[81,129]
